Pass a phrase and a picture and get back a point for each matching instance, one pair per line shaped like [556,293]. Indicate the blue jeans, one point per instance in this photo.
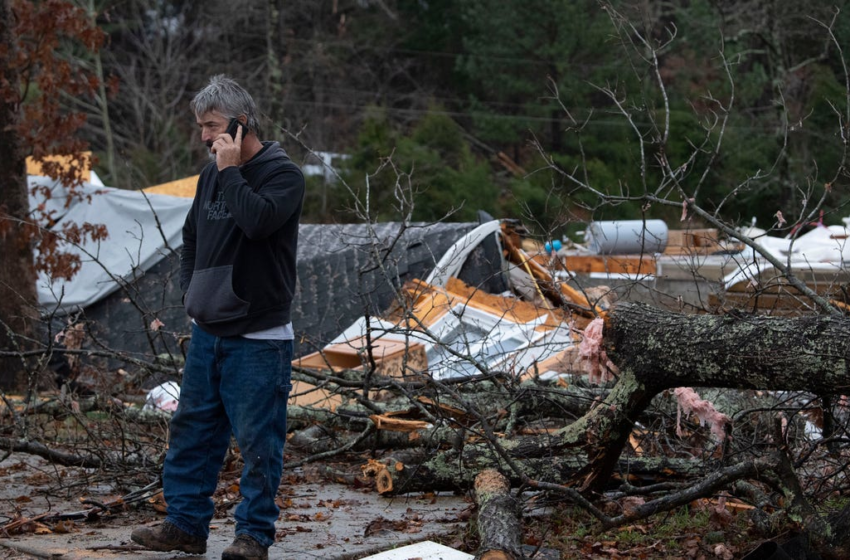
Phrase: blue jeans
[229,384]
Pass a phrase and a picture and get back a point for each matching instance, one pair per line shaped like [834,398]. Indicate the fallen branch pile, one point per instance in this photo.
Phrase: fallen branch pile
[591,445]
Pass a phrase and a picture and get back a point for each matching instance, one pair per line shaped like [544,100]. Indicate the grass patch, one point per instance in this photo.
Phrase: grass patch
[688,531]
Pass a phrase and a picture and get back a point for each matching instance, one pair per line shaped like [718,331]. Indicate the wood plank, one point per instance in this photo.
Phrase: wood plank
[617,264]
[692,241]
[391,424]
[393,358]
[513,309]
[306,394]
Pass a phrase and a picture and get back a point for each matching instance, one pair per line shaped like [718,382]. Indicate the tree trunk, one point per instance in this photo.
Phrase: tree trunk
[657,350]
[498,518]
[423,470]
[102,103]
[17,273]
[666,350]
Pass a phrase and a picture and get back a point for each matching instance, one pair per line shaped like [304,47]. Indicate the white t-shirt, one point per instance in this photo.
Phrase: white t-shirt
[284,332]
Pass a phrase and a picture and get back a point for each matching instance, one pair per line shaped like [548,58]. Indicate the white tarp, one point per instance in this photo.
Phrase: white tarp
[823,249]
[143,229]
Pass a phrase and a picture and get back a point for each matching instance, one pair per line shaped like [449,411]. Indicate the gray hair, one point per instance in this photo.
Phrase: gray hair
[227,97]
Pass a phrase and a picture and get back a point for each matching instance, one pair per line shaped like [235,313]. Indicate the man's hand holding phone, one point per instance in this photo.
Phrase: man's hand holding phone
[228,146]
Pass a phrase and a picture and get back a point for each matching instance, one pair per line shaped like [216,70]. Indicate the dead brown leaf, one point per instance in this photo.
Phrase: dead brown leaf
[380,524]
[636,528]
[631,503]
[691,547]
[158,503]
[65,526]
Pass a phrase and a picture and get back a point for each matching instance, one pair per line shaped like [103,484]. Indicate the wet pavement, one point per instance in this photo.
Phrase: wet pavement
[322,521]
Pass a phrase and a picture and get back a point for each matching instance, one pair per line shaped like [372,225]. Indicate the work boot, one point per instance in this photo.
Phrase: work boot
[166,536]
[244,547]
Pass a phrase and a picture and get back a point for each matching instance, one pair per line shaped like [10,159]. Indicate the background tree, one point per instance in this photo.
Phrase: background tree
[33,122]
[151,53]
[434,158]
[321,67]
[509,54]
[788,83]
[17,276]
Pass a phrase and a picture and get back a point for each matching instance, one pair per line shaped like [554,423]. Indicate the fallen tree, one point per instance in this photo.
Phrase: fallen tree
[654,351]
[658,350]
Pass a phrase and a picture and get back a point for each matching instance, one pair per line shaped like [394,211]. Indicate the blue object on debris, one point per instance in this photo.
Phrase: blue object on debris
[554,245]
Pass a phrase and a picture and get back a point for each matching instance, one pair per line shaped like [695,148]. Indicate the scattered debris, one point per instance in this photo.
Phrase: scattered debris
[163,397]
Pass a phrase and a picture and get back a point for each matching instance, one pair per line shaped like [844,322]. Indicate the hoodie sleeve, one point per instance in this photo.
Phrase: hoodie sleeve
[261,213]
[187,253]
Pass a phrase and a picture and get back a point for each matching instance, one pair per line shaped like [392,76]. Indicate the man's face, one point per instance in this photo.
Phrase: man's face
[211,125]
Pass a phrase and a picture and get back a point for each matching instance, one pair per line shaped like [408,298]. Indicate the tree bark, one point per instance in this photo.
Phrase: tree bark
[658,350]
[17,273]
[498,518]
[423,470]
[665,350]
[52,455]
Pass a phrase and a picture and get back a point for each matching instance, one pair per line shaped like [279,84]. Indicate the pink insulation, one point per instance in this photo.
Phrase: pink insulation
[691,403]
[594,359]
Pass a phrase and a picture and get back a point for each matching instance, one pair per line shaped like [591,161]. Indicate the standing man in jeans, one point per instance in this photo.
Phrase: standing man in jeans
[238,275]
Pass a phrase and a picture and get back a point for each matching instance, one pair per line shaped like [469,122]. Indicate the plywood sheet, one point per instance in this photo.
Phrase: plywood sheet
[184,188]
[617,264]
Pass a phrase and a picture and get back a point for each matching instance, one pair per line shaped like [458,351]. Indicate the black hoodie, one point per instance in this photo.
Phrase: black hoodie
[237,266]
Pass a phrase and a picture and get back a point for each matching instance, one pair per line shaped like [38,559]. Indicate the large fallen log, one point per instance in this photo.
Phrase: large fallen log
[317,431]
[658,350]
[540,398]
[87,461]
[498,518]
[423,470]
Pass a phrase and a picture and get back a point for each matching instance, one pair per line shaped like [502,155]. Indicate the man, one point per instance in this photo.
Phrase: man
[238,278]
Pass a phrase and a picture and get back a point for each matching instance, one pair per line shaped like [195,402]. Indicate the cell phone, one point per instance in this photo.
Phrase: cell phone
[233,127]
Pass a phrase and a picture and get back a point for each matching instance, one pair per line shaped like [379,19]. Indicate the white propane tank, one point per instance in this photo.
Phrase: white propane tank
[626,237]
